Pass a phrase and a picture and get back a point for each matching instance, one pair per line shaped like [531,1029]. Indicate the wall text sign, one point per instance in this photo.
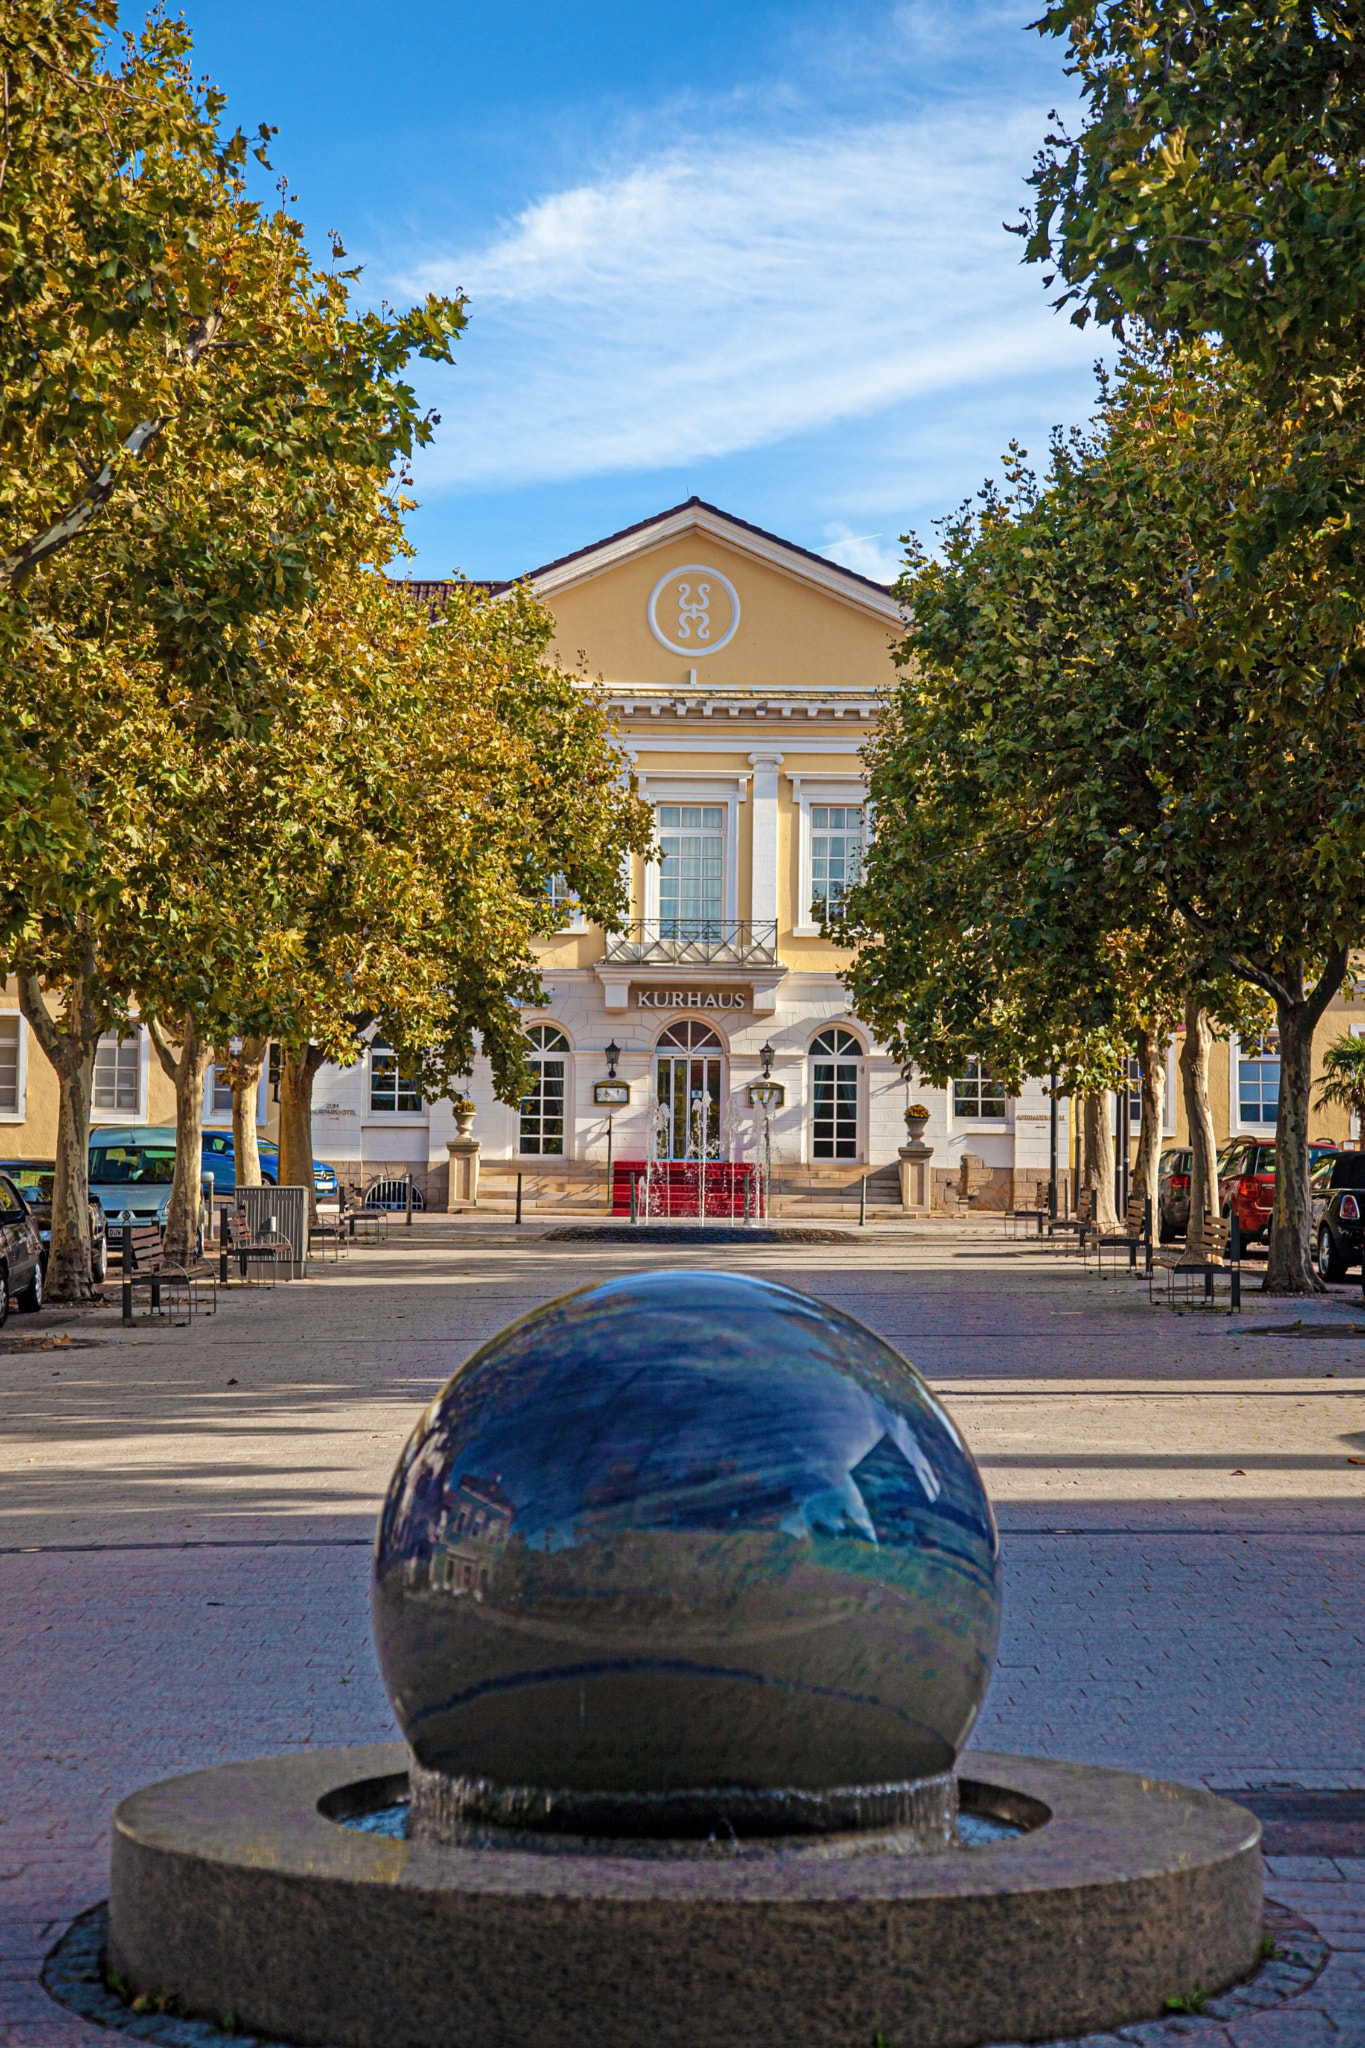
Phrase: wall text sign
[649,996]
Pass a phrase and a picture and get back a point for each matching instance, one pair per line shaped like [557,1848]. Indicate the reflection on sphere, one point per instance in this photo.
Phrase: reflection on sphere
[682,1530]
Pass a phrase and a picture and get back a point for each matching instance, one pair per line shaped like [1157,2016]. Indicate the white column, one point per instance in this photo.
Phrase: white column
[763,890]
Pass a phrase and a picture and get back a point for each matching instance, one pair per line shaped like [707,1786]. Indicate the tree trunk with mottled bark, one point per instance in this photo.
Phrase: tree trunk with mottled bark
[1151,1066]
[297,1074]
[69,1048]
[244,1074]
[1099,1156]
[188,1072]
[1289,1268]
[1194,1081]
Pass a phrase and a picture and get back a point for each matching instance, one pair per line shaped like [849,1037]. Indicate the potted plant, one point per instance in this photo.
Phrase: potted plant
[916,1117]
[465,1113]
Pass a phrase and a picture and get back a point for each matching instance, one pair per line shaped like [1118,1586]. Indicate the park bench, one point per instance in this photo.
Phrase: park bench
[1080,1224]
[1134,1235]
[247,1248]
[1030,1219]
[372,1224]
[1202,1257]
[142,1254]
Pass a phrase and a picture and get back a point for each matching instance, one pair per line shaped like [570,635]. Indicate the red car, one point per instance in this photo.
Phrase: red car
[1246,1183]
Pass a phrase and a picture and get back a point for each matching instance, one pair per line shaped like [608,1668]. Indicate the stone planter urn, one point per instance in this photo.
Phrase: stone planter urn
[463,1151]
[465,1113]
[916,1187]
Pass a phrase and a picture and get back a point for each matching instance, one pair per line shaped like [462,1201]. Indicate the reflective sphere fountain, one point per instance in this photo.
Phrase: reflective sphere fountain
[686,1551]
[686,1595]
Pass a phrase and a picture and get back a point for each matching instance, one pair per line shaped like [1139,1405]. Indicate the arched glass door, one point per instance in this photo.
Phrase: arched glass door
[688,1075]
[836,1062]
[542,1111]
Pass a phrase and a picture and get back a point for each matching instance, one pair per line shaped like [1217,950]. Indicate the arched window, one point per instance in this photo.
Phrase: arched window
[542,1108]
[687,1067]
[836,1058]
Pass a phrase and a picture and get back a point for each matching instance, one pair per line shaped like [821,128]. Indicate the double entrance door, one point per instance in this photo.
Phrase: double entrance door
[688,1086]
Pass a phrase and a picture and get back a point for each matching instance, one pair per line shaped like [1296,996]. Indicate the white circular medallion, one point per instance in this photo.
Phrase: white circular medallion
[688,610]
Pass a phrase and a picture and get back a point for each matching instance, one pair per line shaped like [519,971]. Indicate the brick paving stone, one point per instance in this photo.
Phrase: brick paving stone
[183,1563]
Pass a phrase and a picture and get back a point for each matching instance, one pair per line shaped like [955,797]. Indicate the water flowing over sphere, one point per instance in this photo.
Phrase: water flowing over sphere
[685,1530]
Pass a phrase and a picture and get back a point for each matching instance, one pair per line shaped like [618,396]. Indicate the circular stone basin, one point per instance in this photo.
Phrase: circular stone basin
[239,1888]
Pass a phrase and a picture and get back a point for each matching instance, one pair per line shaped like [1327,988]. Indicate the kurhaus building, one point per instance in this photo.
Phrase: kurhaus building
[742,672]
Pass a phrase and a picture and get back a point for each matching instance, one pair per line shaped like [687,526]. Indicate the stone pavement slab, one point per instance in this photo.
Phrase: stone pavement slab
[186,1518]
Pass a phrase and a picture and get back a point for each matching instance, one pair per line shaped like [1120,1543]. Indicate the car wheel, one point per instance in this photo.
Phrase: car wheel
[99,1262]
[4,1295]
[1331,1265]
[31,1300]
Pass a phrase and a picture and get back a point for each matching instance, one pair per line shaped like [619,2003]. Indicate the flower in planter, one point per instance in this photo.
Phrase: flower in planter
[917,1114]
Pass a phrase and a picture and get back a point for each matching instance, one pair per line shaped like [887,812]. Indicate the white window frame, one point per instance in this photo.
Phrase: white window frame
[116,1119]
[1236,1128]
[806,791]
[390,1117]
[19,1114]
[976,1123]
[729,790]
[575,921]
[864,1120]
[215,1119]
[569,1152]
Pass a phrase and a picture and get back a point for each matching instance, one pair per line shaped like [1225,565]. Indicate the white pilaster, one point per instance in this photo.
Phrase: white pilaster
[763,889]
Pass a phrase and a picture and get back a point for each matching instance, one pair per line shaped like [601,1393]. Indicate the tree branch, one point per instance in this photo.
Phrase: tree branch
[72,524]
[1328,982]
[170,1065]
[1261,979]
[41,1021]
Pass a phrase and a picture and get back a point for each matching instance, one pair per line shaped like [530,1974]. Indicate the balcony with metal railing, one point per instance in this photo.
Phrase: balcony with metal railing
[694,942]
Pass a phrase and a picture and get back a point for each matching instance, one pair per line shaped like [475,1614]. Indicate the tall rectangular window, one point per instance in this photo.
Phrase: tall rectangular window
[388,1088]
[220,1095]
[9,1065]
[118,1071]
[691,870]
[978,1094]
[542,1110]
[1258,1081]
[836,854]
[561,896]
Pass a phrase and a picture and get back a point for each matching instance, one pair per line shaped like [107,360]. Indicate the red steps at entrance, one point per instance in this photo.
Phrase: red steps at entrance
[677,1186]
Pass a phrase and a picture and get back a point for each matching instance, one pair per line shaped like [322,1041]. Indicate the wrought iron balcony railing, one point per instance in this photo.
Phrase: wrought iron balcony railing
[695,941]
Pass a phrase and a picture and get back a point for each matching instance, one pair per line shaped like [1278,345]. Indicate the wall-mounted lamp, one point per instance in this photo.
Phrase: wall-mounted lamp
[767,1055]
[613,1055]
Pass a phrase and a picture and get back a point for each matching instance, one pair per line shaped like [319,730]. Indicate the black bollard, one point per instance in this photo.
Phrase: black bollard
[518,1215]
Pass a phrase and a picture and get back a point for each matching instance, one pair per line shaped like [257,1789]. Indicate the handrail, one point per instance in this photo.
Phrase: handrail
[698,941]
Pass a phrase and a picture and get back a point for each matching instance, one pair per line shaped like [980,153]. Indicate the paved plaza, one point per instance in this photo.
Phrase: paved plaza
[186,1520]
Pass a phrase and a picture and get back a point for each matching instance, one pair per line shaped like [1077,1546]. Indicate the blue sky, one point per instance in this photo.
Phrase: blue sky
[751,251]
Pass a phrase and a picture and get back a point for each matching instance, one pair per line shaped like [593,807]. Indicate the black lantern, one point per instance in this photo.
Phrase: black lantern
[613,1055]
[767,1055]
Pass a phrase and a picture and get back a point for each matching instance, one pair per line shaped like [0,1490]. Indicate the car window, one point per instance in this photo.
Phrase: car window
[217,1144]
[1231,1159]
[132,1165]
[11,1201]
[33,1182]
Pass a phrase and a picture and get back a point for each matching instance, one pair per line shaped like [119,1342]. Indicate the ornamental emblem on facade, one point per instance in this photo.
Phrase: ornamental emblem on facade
[693,610]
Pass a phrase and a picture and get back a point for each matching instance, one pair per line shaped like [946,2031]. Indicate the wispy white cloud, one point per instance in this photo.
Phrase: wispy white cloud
[871,554]
[728,293]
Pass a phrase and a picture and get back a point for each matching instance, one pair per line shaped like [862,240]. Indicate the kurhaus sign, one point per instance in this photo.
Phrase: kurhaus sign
[651,997]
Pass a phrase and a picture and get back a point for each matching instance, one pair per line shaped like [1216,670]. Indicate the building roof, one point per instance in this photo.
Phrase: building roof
[567,570]
[674,512]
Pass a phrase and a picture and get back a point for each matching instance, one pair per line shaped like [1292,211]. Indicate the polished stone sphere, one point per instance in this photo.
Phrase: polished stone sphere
[685,1530]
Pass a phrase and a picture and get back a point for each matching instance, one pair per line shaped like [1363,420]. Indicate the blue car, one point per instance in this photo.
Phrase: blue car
[131,1170]
[220,1160]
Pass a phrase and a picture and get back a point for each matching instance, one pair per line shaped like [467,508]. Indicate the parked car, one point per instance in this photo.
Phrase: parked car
[220,1159]
[21,1252]
[1173,1193]
[1339,1213]
[131,1173]
[34,1178]
[1246,1183]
